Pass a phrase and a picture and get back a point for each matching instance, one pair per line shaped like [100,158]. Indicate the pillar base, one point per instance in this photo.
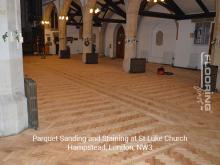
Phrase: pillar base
[64,54]
[135,65]
[90,58]
[13,114]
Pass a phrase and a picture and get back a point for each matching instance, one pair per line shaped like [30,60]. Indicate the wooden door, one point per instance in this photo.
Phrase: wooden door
[120,43]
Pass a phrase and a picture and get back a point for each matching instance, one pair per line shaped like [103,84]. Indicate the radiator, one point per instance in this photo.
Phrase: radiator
[31,94]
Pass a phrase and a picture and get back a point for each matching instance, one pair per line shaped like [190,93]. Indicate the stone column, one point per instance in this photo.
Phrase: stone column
[13,104]
[62,24]
[62,35]
[132,11]
[47,14]
[87,27]
[216,59]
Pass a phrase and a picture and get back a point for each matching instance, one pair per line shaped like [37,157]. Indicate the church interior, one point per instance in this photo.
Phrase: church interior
[110,82]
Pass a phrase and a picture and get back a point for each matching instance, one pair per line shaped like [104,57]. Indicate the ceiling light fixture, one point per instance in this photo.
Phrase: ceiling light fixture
[63,18]
[155,1]
[45,22]
[91,11]
[97,10]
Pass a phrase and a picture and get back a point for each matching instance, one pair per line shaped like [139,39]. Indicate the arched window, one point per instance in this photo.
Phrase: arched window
[159,38]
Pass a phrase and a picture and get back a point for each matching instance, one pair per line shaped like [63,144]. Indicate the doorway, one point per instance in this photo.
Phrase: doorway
[120,43]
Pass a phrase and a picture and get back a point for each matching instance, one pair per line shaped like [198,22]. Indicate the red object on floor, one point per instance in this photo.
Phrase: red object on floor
[161,71]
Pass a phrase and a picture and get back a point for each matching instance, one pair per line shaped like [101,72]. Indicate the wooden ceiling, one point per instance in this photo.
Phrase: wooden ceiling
[178,10]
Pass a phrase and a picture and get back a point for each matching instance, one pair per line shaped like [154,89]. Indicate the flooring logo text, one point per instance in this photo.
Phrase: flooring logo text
[204,92]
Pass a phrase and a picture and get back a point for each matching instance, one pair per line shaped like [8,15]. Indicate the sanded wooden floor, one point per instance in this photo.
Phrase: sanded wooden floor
[92,100]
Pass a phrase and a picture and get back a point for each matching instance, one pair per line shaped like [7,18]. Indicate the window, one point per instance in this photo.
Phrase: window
[202,33]
[159,38]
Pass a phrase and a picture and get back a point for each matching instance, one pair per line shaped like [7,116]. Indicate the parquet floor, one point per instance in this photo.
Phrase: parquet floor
[93,100]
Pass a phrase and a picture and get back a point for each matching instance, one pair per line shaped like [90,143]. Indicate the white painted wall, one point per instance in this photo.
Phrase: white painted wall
[146,36]
[185,53]
[49,33]
[77,45]
[147,47]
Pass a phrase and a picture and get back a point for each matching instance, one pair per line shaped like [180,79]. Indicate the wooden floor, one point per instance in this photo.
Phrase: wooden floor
[93,100]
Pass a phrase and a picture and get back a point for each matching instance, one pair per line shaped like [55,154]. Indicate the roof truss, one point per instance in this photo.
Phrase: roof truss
[109,5]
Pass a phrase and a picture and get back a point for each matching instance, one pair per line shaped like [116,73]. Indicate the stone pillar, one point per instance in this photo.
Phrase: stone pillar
[217,45]
[132,11]
[62,24]
[62,35]
[13,104]
[87,28]
[47,14]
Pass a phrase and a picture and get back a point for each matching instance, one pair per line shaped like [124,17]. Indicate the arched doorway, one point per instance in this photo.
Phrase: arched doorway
[51,29]
[120,43]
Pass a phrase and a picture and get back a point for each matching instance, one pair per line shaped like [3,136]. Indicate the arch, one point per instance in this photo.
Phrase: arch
[66,6]
[54,19]
[47,12]
[62,23]
[115,32]
[120,42]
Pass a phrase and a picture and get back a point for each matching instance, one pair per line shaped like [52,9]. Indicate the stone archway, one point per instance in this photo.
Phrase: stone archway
[62,24]
[50,39]
[119,42]
[47,13]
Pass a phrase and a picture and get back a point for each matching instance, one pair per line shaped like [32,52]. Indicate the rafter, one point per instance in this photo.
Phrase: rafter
[105,7]
[168,7]
[157,14]
[197,16]
[74,14]
[105,13]
[112,20]
[120,2]
[116,9]
[111,5]
[143,5]
[75,5]
[202,6]
[74,24]
[174,7]
[172,16]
